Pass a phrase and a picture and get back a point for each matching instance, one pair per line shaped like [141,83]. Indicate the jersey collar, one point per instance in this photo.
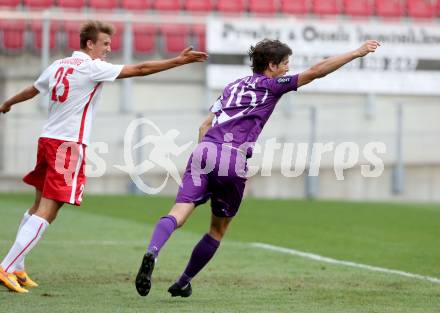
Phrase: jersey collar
[258,75]
[80,54]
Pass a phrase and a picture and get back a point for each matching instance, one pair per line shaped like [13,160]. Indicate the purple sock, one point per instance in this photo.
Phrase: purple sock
[202,253]
[163,230]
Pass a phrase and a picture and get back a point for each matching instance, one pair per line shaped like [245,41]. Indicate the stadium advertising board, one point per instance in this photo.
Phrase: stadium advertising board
[408,61]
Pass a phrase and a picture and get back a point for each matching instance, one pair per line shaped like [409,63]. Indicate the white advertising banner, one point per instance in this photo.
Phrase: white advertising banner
[407,62]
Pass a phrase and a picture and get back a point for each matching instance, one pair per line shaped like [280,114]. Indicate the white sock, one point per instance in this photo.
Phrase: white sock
[19,265]
[27,237]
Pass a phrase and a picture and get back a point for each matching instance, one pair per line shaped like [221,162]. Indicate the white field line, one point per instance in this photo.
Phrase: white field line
[324,259]
[306,255]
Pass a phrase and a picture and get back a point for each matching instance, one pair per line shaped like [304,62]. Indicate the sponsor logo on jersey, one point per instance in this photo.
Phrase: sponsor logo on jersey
[283,80]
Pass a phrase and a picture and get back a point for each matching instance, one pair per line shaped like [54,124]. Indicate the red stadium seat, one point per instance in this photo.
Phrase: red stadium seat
[135,5]
[12,34]
[231,6]
[144,39]
[326,7]
[262,6]
[200,34]
[167,5]
[358,7]
[390,8]
[72,32]
[38,4]
[71,4]
[421,8]
[37,30]
[103,4]
[9,3]
[204,6]
[175,38]
[117,37]
[294,6]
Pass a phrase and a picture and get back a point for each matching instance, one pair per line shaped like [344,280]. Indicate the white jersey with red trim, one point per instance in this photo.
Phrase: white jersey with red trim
[74,86]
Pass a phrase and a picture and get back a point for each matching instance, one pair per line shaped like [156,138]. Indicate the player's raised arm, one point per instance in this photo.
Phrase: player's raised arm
[330,65]
[151,67]
[25,94]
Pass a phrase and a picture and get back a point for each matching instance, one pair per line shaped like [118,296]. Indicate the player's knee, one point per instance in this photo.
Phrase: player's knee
[33,210]
[181,212]
[180,222]
[48,215]
[34,207]
[216,235]
[217,232]
[178,218]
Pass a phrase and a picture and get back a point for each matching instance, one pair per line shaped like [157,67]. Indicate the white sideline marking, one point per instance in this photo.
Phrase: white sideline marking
[265,246]
[320,258]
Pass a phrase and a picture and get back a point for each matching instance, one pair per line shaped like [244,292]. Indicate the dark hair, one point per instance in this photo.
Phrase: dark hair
[267,51]
[90,31]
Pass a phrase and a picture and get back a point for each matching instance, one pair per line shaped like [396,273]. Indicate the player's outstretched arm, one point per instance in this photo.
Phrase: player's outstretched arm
[332,64]
[206,125]
[25,94]
[151,67]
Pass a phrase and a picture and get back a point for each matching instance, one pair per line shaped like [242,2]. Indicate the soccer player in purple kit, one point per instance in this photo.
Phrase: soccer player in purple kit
[216,169]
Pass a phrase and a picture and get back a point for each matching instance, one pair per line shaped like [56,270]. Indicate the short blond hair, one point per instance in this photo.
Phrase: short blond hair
[91,29]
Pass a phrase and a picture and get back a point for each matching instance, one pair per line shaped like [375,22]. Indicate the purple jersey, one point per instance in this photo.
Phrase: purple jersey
[244,108]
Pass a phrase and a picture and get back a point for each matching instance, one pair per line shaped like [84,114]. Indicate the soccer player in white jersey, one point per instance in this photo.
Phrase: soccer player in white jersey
[74,86]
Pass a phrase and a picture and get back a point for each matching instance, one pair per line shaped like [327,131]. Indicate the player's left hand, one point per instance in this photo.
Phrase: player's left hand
[5,108]
[368,47]
[189,56]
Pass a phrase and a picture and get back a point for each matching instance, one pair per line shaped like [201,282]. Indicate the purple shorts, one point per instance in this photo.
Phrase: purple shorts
[216,172]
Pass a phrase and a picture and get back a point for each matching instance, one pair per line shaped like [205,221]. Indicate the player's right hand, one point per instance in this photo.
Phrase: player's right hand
[368,47]
[189,56]
[4,108]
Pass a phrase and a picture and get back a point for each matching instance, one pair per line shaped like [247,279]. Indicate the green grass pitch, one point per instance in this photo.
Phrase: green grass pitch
[89,257]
